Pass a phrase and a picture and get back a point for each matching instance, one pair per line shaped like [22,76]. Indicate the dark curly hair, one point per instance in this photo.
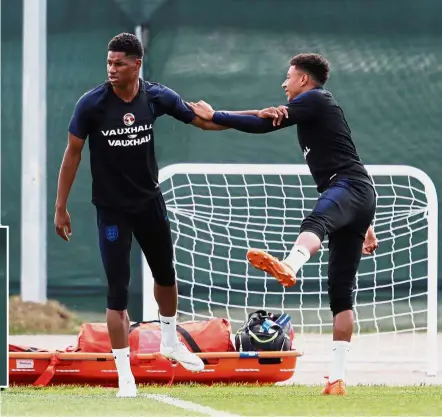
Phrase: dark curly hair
[128,43]
[313,64]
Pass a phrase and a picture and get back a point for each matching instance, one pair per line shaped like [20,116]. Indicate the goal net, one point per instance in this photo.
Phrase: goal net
[217,212]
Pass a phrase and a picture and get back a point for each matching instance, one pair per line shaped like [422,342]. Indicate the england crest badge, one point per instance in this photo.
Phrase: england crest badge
[111,233]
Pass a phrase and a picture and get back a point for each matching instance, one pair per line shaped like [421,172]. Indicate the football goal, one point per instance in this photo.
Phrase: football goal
[218,211]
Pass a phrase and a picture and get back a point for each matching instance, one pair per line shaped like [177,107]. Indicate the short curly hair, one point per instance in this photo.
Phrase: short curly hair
[313,64]
[127,43]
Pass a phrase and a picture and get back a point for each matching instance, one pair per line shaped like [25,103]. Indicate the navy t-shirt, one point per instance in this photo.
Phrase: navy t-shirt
[121,141]
[323,134]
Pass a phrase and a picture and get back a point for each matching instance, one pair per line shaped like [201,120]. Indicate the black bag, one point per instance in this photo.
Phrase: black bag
[265,331]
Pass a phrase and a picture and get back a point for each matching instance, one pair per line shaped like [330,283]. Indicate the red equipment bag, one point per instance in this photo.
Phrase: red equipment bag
[212,335]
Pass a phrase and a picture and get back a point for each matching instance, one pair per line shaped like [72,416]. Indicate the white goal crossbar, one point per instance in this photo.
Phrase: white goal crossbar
[218,211]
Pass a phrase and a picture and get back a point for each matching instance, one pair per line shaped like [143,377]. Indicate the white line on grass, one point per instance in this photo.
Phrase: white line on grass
[187,405]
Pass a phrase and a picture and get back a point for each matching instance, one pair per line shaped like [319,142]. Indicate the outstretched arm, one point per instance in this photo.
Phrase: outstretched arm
[243,112]
[246,122]
[169,102]
[250,121]
[211,125]
[207,124]
[262,121]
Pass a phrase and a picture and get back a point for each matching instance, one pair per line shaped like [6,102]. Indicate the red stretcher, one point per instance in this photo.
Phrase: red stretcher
[42,368]
[90,361]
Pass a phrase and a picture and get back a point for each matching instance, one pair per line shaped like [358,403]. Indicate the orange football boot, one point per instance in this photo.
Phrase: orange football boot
[335,388]
[268,263]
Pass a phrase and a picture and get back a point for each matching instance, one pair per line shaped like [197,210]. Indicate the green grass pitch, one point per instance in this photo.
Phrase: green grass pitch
[236,400]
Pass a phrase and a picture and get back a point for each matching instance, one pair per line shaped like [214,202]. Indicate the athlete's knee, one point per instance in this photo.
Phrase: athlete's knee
[340,295]
[117,297]
[340,303]
[165,276]
[316,224]
[343,324]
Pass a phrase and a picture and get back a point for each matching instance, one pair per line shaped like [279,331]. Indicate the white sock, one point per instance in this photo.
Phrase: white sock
[168,331]
[340,353]
[298,256]
[122,362]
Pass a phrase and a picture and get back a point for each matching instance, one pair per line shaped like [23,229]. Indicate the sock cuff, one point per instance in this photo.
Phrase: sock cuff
[303,250]
[341,344]
[167,317]
[121,351]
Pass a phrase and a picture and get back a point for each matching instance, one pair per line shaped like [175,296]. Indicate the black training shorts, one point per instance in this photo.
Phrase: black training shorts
[344,212]
[151,229]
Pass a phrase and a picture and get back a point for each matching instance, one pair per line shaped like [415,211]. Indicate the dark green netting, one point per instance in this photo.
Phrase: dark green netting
[385,59]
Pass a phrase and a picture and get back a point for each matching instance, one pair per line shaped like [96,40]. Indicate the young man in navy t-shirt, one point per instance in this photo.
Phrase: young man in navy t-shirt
[347,204]
[118,117]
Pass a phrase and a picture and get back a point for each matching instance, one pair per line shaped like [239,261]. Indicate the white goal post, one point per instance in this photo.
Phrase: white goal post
[218,211]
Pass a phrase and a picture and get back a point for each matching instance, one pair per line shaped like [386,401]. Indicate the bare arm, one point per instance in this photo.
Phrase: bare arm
[66,177]
[207,124]
[68,170]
